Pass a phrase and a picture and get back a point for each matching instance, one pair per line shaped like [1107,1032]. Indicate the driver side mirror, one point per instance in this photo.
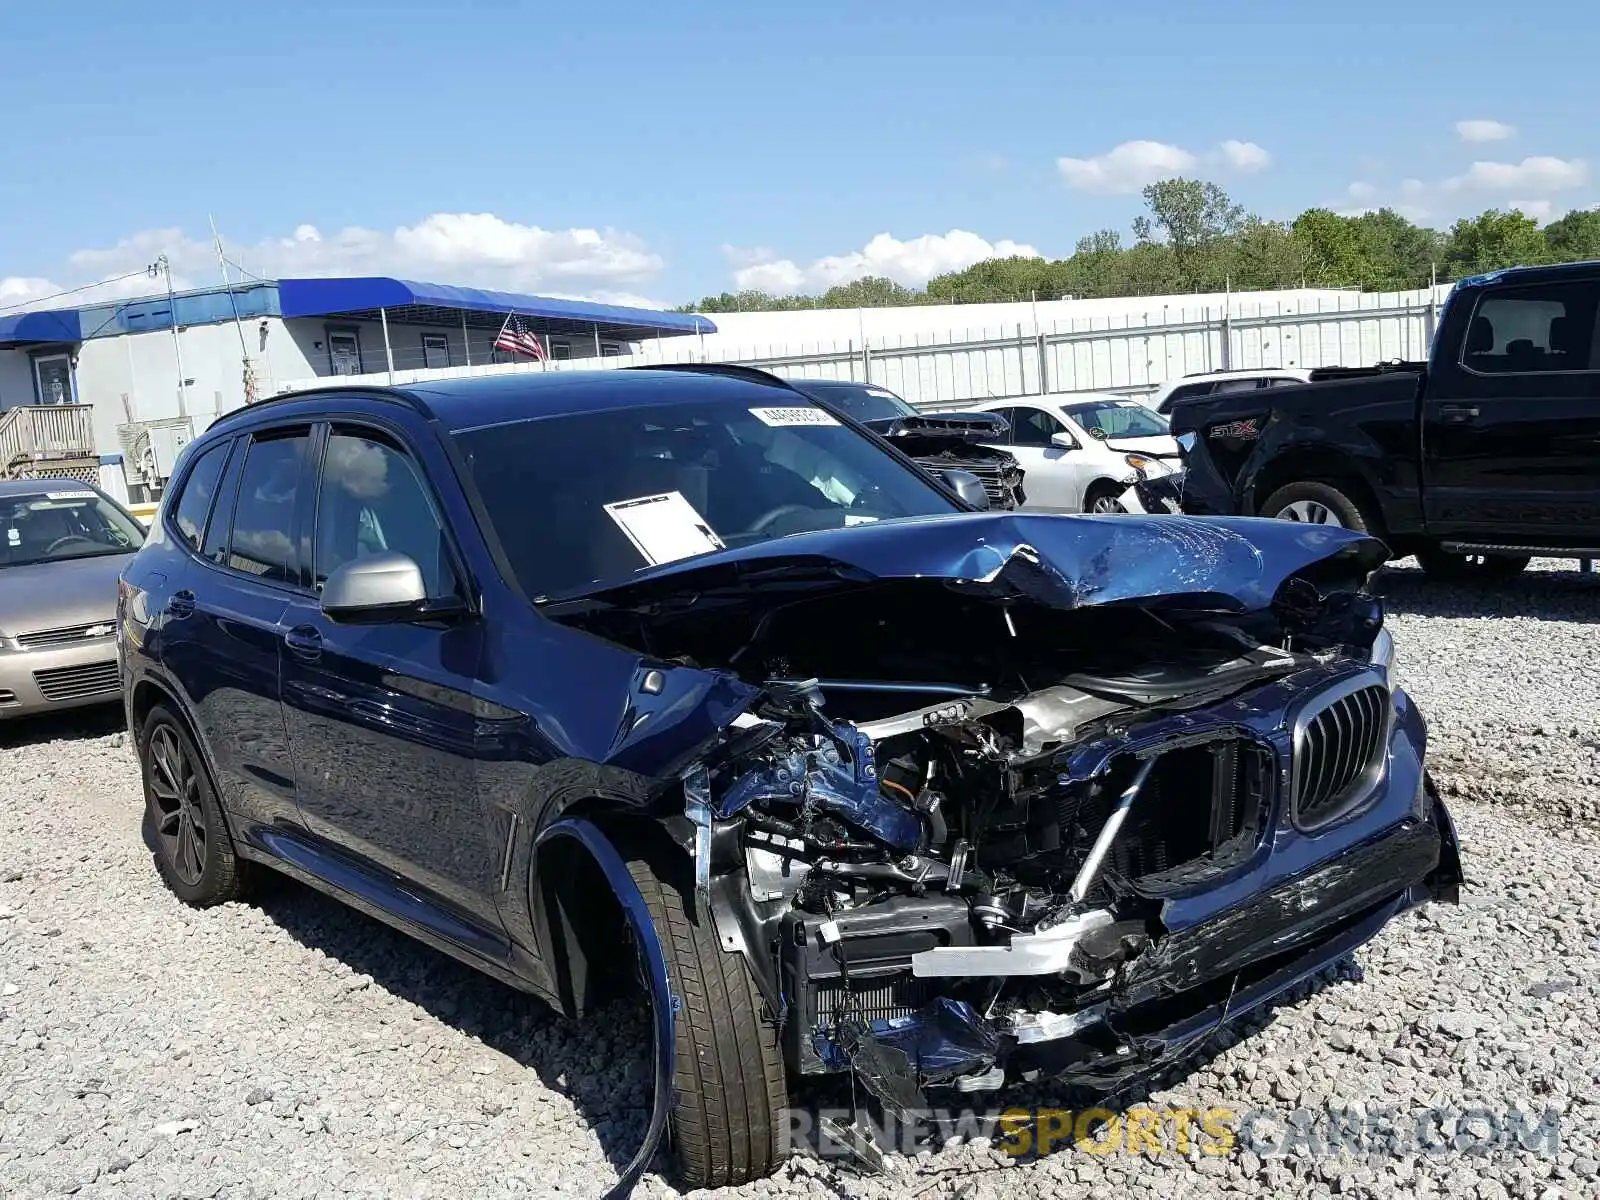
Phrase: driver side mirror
[969,488]
[379,589]
[1063,441]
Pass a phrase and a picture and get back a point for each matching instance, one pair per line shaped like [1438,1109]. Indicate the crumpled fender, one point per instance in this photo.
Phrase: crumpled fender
[616,872]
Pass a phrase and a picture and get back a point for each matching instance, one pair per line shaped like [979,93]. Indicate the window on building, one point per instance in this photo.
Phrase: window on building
[560,349]
[435,350]
[53,377]
[344,352]
[262,543]
[199,489]
[610,350]
[371,499]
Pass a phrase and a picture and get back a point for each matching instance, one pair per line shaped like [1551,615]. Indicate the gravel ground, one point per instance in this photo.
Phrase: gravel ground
[291,1047]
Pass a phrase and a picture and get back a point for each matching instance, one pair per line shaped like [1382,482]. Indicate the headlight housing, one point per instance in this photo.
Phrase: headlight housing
[1139,462]
[1383,657]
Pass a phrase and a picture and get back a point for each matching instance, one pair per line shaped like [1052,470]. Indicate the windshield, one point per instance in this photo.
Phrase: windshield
[1118,419]
[868,403]
[63,522]
[590,498]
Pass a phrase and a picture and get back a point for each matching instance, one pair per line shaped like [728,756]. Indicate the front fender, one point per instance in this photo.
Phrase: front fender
[662,1003]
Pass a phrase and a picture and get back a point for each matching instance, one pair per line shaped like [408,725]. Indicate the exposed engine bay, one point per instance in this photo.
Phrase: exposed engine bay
[960,834]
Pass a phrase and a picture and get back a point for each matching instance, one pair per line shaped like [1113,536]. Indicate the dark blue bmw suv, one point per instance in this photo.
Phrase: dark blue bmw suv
[868,779]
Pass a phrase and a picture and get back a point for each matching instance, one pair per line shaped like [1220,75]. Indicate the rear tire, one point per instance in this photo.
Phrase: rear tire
[183,820]
[727,1067]
[1464,568]
[1315,502]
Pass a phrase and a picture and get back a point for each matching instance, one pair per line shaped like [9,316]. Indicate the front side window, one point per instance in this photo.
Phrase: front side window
[262,541]
[1119,418]
[591,498]
[199,489]
[371,500]
[1034,427]
[1539,329]
[63,520]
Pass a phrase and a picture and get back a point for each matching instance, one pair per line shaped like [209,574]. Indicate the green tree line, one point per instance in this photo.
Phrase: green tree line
[1194,238]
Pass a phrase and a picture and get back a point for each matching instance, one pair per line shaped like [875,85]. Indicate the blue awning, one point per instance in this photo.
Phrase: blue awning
[408,300]
[53,325]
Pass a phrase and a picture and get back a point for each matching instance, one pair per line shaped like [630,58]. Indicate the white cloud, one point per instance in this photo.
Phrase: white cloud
[909,263]
[1539,210]
[1133,166]
[1536,173]
[1361,191]
[1126,168]
[1244,156]
[475,249]
[1484,131]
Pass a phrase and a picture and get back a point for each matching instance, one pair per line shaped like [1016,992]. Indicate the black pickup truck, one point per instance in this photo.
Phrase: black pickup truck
[1475,461]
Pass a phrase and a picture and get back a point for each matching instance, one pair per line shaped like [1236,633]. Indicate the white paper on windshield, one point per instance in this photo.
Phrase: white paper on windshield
[858,519]
[79,495]
[664,528]
[788,418]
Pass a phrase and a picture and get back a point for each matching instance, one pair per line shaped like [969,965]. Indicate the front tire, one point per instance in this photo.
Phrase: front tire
[727,1067]
[1315,502]
[183,820]
[1104,499]
[1464,568]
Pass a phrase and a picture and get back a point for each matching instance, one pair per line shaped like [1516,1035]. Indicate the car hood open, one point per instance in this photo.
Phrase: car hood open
[1223,564]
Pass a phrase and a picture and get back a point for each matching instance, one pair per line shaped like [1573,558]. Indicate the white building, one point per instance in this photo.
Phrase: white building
[110,391]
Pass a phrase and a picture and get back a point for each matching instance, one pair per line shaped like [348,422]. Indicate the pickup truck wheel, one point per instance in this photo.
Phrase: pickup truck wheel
[727,1068]
[1442,564]
[1314,502]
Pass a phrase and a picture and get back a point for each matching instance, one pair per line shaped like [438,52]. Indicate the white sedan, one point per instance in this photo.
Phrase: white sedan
[1081,452]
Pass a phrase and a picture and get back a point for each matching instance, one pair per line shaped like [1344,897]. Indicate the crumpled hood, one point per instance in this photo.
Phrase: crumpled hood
[1221,564]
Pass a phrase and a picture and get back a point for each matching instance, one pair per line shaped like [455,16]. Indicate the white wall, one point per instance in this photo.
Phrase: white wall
[16,379]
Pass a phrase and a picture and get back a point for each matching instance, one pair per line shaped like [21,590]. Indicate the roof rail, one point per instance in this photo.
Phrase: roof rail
[365,391]
[732,370]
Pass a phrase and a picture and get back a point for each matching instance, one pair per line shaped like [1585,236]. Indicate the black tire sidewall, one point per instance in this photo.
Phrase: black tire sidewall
[1319,492]
[1095,491]
[219,877]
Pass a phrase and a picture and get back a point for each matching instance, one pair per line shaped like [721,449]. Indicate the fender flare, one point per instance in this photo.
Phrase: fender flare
[663,1004]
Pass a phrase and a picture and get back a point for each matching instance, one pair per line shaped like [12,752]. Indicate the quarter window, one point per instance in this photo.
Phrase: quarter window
[199,489]
[262,542]
[1540,329]
[370,500]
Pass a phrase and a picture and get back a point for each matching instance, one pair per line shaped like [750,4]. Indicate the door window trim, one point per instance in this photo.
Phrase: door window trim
[382,431]
[1496,293]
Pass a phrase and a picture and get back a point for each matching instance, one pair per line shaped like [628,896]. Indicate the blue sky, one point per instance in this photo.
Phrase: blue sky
[665,151]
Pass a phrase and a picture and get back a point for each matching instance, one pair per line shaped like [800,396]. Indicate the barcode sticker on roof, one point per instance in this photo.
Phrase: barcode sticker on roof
[78,495]
[783,418]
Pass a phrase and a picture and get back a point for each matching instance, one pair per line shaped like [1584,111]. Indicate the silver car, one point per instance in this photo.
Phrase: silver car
[62,545]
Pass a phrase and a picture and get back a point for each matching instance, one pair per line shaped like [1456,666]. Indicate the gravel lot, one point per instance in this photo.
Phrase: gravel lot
[291,1047]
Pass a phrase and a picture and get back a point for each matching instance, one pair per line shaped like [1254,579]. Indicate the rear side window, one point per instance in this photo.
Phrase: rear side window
[1534,330]
[199,490]
[1184,392]
[1236,385]
[262,540]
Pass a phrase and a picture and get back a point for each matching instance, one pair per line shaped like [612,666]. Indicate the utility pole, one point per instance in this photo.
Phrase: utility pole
[162,268]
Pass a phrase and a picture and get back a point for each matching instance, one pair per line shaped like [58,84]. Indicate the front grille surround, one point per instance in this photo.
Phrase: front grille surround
[66,635]
[998,478]
[1340,750]
[60,685]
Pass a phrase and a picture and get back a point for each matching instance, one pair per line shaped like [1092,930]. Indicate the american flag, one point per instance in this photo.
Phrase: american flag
[516,338]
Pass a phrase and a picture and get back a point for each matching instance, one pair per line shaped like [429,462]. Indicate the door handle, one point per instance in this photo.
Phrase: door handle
[304,642]
[180,604]
[1458,414]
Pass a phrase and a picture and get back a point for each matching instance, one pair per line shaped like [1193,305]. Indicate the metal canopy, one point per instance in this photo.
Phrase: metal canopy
[52,325]
[409,302]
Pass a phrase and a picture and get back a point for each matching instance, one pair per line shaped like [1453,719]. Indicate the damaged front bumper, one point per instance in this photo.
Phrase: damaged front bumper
[1221,944]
